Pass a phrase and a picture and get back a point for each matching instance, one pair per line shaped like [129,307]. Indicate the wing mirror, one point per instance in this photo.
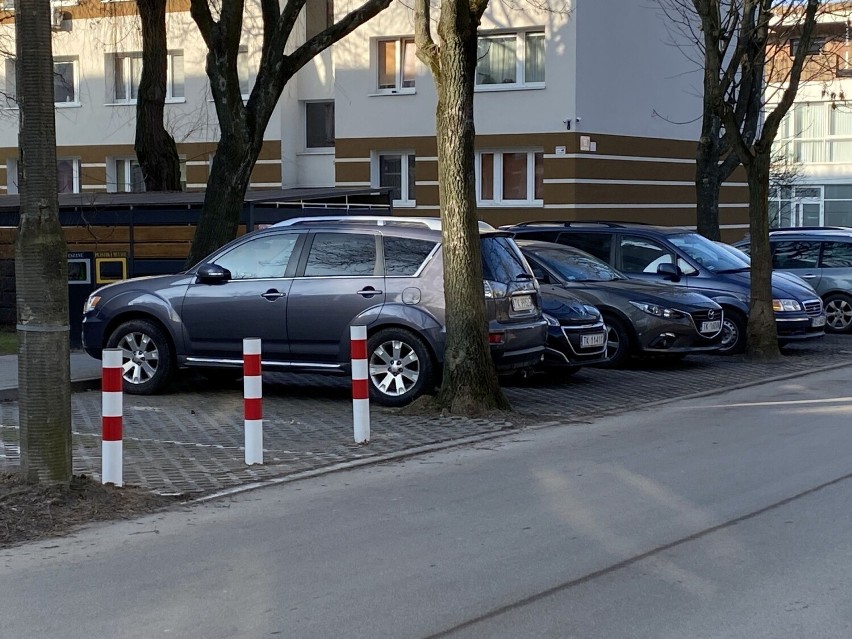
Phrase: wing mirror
[213,274]
[669,271]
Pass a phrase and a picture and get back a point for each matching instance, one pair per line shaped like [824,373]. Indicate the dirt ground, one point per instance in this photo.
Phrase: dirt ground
[30,512]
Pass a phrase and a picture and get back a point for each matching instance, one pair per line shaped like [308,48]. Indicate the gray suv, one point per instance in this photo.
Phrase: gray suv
[299,287]
[823,258]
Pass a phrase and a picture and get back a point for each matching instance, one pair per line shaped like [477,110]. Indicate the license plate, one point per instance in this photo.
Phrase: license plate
[711,327]
[818,321]
[587,341]
[522,303]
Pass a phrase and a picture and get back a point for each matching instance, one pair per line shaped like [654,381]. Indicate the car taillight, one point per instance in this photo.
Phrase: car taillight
[496,338]
[495,290]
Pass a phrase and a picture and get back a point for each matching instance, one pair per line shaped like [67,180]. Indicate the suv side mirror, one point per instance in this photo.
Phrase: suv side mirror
[669,271]
[213,274]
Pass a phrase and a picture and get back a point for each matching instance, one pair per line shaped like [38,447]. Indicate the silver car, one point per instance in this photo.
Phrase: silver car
[299,287]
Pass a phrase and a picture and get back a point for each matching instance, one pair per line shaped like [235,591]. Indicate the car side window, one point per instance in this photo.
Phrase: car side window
[404,256]
[597,244]
[342,254]
[538,272]
[260,258]
[795,254]
[837,255]
[639,255]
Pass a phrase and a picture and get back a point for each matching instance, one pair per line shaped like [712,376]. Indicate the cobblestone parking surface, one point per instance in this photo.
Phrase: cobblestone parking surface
[190,441]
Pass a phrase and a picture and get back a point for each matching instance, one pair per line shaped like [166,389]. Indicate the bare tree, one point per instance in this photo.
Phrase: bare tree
[736,78]
[242,125]
[44,403]
[470,382]
[155,147]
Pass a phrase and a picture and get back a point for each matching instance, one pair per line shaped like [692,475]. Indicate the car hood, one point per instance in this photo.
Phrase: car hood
[783,286]
[561,304]
[615,292]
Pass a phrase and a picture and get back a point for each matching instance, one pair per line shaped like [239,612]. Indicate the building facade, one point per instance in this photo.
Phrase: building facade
[569,125]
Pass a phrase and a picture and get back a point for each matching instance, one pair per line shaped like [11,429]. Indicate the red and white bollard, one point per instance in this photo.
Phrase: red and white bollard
[360,385]
[253,400]
[112,408]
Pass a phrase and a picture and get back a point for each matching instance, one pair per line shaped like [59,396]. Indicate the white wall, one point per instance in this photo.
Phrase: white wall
[631,79]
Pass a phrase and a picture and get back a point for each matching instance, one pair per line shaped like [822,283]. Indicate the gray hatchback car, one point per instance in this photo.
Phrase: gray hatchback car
[823,258]
[299,288]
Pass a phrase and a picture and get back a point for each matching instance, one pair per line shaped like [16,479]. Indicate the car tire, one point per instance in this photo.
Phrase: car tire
[838,313]
[619,342]
[733,333]
[146,357]
[399,365]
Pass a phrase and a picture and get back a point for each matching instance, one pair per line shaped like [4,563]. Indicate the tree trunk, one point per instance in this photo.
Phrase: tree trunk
[155,147]
[470,384]
[707,184]
[229,179]
[44,389]
[762,331]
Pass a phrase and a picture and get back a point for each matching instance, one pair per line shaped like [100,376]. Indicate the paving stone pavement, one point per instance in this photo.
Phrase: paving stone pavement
[190,440]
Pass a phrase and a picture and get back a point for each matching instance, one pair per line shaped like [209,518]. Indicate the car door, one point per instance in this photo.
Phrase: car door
[639,258]
[339,277]
[251,303]
[799,257]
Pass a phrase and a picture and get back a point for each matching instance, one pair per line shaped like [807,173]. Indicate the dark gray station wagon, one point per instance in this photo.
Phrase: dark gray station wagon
[299,288]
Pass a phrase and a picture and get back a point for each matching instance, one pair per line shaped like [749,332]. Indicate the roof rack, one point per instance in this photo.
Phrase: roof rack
[577,223]
[433,223]
[811,228]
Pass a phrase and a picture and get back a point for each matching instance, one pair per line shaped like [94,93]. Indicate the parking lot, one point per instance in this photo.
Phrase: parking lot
[190,440]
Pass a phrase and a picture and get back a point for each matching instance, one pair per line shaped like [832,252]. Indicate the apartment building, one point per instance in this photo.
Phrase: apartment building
[814,144]
[584,110]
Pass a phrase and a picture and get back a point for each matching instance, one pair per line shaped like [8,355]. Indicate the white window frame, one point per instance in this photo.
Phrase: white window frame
[520,61]
[406,199]
[124,57]
[75,172]
[75,66]
[497,179]
[127,178]
[317,149]
[400,44]
[243,63]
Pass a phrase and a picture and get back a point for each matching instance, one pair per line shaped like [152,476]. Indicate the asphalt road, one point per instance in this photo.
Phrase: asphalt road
[726,516]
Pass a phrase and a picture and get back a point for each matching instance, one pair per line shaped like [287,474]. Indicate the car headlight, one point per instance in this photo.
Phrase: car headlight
[658,311]
[551,321]
[786,305]
[91,303]
[592,310]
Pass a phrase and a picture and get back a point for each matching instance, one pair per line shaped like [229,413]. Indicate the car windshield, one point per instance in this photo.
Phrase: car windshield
[708,254]
[576,266]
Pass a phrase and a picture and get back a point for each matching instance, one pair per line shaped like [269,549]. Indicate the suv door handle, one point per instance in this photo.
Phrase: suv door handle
[368,292]
[272,295]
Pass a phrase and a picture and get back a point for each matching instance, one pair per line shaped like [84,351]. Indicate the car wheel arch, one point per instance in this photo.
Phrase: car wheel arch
[129,316]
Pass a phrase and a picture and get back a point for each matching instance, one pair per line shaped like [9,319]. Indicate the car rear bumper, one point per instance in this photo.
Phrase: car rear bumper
[522,345]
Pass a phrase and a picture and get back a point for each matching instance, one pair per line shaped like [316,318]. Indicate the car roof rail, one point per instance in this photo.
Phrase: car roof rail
[433,223]
[577,223]
[811,228]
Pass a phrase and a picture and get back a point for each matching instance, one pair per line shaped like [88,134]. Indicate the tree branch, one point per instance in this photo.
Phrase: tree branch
[424,44]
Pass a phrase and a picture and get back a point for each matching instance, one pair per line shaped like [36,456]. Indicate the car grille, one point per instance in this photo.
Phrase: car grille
[813,307]
[709,315]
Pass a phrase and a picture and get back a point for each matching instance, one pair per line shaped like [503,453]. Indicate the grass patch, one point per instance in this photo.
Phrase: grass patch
[8,342]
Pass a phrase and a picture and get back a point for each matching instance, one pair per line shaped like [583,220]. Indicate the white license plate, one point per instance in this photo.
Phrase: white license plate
[587,341]
[522,303]
[818,321]
[711,327]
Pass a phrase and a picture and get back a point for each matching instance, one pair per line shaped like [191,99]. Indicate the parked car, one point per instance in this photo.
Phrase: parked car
[684,258]
[576,334]
[823,258]
[299,287]
[642,318]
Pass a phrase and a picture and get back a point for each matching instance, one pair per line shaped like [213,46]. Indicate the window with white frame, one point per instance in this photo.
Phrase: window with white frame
[510,177]
[127,72]
[395,169]
[396,64]
[510,60]
[10,93]
[816,133]
[128,176]
[65,81]
[68,175]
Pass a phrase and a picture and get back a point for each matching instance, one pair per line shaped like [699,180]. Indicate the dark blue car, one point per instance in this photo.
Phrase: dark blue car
[685,258]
